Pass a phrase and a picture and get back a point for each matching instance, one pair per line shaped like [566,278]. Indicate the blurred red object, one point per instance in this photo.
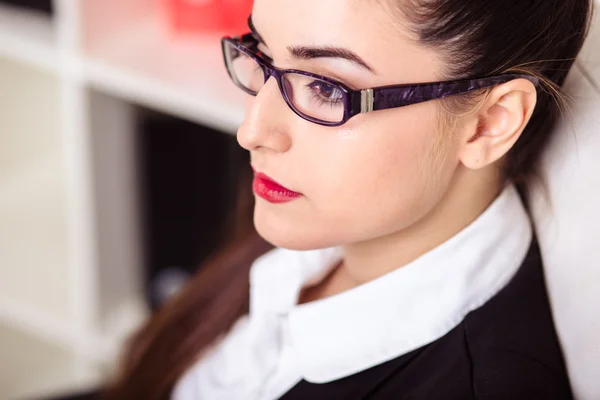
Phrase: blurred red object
[202,16]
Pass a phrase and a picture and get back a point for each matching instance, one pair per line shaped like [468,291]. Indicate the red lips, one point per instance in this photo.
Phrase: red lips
[272,191]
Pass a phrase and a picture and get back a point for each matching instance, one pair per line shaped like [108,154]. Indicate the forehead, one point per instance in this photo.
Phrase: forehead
[370,28]
[341,22]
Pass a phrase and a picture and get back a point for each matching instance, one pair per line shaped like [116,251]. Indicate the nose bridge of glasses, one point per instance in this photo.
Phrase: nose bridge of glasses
[270,71]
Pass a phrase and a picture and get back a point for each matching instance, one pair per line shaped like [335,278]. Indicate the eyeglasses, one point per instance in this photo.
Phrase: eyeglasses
[328,102]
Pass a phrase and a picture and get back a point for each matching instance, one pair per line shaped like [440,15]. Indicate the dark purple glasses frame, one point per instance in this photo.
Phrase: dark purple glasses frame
[364,100]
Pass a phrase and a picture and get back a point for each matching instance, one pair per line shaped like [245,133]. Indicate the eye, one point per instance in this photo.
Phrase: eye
[325,92]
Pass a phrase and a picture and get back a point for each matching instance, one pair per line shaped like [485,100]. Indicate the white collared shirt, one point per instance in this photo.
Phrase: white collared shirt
[280,343]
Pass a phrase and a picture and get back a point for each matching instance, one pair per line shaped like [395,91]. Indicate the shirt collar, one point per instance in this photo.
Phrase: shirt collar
[400,311]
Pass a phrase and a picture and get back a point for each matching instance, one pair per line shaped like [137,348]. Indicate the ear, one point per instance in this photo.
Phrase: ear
[498,123]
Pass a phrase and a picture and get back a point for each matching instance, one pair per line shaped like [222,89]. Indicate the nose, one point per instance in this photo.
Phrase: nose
[266,125]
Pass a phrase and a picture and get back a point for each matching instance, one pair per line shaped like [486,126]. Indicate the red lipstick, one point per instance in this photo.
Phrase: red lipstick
[272,191]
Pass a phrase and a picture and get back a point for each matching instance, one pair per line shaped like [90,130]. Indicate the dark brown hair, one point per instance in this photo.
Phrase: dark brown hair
[539,37]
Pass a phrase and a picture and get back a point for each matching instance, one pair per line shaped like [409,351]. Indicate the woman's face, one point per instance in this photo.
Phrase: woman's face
[379,173]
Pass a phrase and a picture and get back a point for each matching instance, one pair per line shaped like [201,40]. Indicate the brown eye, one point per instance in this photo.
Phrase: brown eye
[326,92]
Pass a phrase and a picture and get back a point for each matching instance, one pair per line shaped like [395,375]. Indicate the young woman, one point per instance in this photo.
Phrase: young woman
[392,142]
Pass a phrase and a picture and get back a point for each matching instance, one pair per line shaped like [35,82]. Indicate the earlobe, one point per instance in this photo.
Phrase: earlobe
[499,123]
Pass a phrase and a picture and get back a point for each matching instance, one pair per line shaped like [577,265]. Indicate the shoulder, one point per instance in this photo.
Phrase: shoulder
[508,373]
[512,341]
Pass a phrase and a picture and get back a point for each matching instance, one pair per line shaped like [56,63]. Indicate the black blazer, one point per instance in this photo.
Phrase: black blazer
[505,350]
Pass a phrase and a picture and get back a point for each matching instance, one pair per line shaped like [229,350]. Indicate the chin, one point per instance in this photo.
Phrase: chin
[285,238]
[285,233]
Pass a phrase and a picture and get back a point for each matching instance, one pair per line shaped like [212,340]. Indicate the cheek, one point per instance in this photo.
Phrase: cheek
[383,176]
[360,182]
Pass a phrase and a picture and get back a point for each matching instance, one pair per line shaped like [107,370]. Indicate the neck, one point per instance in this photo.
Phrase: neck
[468,196]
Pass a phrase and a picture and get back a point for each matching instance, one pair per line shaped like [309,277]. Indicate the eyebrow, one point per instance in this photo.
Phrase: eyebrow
[308,53]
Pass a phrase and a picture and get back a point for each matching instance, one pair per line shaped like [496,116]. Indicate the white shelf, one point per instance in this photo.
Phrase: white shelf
[34,271]
[44,369]
[196,105]
[132,58]
[28,37]
[101,347]
[185,77]
[34,267]
[25,140]
[70,269]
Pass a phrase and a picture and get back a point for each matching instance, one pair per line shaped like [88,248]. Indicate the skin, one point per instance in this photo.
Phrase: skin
[389,185]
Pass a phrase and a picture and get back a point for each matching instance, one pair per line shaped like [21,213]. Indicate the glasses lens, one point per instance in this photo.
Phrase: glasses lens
[314,97]
[244,70]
